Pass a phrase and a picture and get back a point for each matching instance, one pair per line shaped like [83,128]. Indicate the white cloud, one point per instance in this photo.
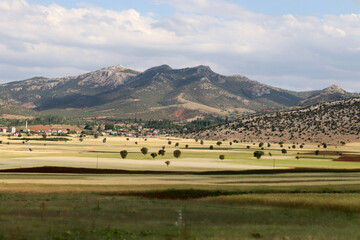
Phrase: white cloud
[59,41]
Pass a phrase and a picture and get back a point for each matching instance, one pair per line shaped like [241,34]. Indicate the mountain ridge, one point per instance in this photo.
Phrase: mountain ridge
[158,92]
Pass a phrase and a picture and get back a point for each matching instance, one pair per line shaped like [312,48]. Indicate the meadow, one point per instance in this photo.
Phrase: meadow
[198,196]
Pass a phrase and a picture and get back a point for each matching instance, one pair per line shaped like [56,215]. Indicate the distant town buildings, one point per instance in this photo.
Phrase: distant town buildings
[12,130]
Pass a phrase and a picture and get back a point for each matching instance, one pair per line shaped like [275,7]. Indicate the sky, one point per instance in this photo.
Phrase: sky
[296,45]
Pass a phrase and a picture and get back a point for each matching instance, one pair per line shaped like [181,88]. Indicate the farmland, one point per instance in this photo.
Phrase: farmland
[198,196]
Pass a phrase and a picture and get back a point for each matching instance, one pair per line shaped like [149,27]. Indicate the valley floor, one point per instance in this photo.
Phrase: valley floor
[222,205]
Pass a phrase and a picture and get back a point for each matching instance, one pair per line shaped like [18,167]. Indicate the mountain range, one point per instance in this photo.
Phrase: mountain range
[157,93]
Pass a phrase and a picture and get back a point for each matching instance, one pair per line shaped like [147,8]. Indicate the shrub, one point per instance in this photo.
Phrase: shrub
[177,153]
[144,150]
[123,154]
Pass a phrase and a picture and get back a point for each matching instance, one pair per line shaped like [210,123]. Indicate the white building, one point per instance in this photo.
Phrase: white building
[12,130]
[3,130]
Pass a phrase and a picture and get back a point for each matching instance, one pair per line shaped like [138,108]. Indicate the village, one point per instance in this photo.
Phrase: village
[101,130]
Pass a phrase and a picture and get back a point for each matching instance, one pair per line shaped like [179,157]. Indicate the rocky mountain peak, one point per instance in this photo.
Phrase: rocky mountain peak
[160,68]
[334,89]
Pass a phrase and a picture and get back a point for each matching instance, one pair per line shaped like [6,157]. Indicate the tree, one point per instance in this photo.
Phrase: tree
[202,142]
[167,163]
[261,145]
[258,154]
[297,157]
[301,146]
[176,144]
[144,150]
[270,154]
[283,151]
[269,145]
[317,152]
[230,143]
[222,157]
[294,146]
[123,154]
[324,145]
[153,155]
[211,147]
[219,143]
[169,142]
[186,146]
[104,140]
[161,152]
[163,147]
[96,136]
[177,153]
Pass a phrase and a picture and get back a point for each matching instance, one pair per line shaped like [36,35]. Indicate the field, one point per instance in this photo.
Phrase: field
[198,196]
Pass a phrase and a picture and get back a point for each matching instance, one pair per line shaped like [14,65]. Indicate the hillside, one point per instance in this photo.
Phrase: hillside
[13,111]
[159,92]
[331,122]
[43,93]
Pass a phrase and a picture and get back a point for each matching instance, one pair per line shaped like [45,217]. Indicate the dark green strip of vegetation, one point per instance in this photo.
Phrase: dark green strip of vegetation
[43,139]
[199,193]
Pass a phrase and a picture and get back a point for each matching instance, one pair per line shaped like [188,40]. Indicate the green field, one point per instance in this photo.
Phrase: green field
[229,205]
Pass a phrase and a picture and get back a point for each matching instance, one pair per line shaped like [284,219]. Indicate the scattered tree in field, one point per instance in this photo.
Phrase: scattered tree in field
[248,147]
[270,154]
[104,140]
[176,144]
[202,142]
[136,143]
[127,139]
[144,150]
[219,143]
[294,146]
[230,143]
[297,157]
[167,163]
[258,154]
[283,151]
[30,149]
[123,154]
[163,147]
[261,145]
[81,139]
[186,146]
[317,152]
[153,155]
[301,146]
[281,145]
[169,142]
[222,157]
[177,153]
[211,147]
[96,136]
[196,140]
[269,145]
[324,145]
[161,152]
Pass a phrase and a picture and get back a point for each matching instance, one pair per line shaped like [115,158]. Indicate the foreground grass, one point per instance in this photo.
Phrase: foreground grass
[94,216]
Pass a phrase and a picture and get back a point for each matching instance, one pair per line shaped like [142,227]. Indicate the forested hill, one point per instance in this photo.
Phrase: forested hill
[332,122]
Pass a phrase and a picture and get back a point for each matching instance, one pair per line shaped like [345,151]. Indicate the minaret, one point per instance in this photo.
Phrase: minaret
[26,127]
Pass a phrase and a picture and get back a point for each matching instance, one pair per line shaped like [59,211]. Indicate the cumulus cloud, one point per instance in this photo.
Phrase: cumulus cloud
[55,41]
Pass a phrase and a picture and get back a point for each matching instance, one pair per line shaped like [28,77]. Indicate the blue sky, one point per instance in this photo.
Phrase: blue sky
[296,45]
[277,7]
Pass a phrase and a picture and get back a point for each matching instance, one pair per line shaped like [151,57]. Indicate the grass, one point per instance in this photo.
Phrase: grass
[277,205]
[94,216]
